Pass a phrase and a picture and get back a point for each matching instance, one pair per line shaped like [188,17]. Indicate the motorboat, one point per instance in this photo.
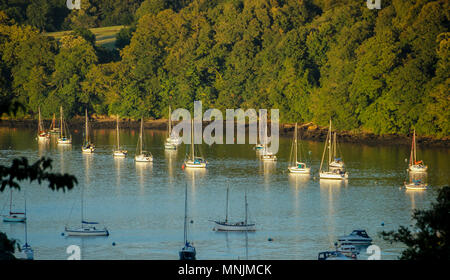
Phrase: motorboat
[357,237]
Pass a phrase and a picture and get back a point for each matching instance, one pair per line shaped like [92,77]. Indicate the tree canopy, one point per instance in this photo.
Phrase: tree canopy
[382,71]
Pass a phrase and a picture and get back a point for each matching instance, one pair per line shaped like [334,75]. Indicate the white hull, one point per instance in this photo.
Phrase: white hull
[64,141]
[120,153]
[190,164]
[333,176]
[86,232]
[143,158]
[234,227]
[413,186]
[295,169]
[87,150]
[14,218]
[418,168]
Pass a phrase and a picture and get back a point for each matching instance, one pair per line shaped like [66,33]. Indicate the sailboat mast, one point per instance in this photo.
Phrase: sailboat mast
[246,206]
[87,128]
[170,122]
[10,201]
[140,135]
[295,141]
[82,206]
[39,121]
[414,137]
[226,209]
[329,145]
[334,146]
[192,140]
[26,232]
[61,122]
[185,215]
[117,129]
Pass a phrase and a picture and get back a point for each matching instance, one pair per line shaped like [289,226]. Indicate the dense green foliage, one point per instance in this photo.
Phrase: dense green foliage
[431,239]
[384,71]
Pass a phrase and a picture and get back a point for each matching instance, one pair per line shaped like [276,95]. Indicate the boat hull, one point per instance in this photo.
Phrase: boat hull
[234,227]
[192,164]
[295,169]
[120,153]
[142,158]
[87,232]
[64,141]
[87,150]
[416,186]
[333,176]
[14,219]
[418,168]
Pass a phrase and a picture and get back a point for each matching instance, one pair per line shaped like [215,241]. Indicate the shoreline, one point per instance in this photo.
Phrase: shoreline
[308,131]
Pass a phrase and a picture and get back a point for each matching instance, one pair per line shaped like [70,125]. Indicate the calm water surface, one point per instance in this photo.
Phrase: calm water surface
[143,204]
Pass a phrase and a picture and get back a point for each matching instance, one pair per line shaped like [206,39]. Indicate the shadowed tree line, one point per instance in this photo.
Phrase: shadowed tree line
[382,71]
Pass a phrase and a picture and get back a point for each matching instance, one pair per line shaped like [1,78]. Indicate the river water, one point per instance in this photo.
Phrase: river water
[142,205]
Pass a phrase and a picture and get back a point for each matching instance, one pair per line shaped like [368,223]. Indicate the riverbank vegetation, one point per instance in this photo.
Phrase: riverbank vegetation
[380,71]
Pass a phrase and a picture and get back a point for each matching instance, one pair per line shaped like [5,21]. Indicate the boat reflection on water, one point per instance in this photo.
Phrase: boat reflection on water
[171,156]
[143,172]
[417,181]
[298,179]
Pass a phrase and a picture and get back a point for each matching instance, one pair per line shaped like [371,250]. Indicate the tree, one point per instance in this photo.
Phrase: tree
[431,238]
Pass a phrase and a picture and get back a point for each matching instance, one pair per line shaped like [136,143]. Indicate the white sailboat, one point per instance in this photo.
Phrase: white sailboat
[14,217]
[188,251]
[118,152]
[86,228]
[88,147]
[142,156]
[237,226]
[297,166]
[265,154]
[335,170]
[42,134]
[172,141]
[63,139]
[414,164]
[194,161]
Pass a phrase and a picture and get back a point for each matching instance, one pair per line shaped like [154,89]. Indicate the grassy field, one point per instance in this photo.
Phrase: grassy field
[105,36]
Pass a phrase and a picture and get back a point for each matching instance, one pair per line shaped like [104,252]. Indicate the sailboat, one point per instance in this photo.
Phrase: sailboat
[414,164]
[42,134]
[335,165]
[88,147]
[14,217]
[193,161]
[265,154]
[86,228]
[296,166]
[27,251]
[142,156]
[172,140]
[53,128]
[63,139]
[238,226]
[188,251]
[118,152]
